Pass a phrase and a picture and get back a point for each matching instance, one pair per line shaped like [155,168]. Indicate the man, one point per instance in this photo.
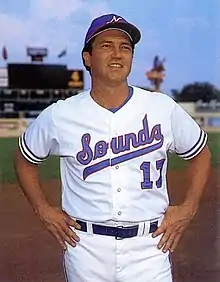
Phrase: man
[113,140]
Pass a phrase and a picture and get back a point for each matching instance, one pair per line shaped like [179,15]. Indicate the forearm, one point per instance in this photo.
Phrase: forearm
[28,178]
[197,177]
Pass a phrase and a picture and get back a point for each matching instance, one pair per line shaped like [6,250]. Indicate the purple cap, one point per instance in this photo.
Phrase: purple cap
[112,21]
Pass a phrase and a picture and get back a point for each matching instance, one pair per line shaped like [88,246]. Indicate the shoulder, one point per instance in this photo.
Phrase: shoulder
[70,104]
[63,107]
[158,99]
[76,99]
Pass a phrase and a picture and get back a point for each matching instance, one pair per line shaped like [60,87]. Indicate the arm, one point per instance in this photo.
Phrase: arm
[28,178]
[55,221]
[177,218]
[190,143]
[197,173]
[38,142]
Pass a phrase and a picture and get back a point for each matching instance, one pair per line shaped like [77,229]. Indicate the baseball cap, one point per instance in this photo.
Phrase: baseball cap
[112,21]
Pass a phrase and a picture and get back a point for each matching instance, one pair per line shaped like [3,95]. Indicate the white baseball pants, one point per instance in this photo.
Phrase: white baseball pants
[99,258]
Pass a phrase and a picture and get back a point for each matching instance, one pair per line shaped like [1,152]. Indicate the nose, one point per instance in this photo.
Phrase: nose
[116,52]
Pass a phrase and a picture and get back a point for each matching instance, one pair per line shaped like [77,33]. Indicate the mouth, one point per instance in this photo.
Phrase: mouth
[115,65]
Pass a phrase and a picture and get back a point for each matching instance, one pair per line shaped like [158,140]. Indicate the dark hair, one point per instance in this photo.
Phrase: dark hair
[88,48]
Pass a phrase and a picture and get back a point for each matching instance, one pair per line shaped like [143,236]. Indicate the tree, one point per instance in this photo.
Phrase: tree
[194,92]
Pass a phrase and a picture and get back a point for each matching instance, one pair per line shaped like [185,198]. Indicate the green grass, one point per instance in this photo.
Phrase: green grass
[214,145]
[50,168]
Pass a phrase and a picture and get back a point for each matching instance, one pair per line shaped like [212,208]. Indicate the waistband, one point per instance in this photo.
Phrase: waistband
[119,232]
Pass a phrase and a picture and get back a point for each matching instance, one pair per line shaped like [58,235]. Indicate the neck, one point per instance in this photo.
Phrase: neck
[109,96]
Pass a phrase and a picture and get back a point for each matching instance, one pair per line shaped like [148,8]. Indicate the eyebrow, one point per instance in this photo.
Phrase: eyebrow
[110,41]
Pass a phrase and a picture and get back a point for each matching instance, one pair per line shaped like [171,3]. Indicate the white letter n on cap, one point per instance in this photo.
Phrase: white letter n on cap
[114,19]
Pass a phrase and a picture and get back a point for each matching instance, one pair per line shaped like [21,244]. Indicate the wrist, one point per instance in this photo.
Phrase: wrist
[41,207]
[190,207]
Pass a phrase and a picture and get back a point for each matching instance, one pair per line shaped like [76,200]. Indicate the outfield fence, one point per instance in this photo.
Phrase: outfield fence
[13,127]
[207,116]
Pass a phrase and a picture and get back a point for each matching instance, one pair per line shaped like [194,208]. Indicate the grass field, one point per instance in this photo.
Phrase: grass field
[50,168]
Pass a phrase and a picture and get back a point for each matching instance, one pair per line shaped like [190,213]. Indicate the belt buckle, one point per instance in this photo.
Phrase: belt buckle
[118,237]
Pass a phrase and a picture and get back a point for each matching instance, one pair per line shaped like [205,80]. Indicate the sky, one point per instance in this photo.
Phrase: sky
[184,32]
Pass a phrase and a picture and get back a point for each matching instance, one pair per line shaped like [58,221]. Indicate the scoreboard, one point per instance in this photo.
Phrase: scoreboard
[31,87]
[44,76]
[37,76]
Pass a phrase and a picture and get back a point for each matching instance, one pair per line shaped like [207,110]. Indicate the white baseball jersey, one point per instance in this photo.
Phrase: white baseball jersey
[113,165]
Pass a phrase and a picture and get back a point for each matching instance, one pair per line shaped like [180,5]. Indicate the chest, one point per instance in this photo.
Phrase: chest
[91,138]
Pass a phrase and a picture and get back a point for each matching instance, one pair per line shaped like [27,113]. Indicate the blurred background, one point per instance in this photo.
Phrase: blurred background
[40,63]
[41,44]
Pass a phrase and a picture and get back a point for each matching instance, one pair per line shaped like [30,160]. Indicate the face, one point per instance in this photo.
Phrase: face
[111,57]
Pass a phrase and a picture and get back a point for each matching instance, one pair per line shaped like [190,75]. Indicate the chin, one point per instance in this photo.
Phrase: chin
[118,77]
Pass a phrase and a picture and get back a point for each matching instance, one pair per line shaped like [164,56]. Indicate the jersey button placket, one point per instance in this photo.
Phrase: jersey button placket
[115,177]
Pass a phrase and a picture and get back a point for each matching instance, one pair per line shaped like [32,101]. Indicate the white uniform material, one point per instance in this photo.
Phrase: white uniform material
[113,171]
[135,259]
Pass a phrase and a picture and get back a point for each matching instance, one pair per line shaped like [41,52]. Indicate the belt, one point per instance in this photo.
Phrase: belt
[118,232]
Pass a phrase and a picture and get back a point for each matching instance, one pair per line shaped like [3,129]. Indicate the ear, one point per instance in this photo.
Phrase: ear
[86,58]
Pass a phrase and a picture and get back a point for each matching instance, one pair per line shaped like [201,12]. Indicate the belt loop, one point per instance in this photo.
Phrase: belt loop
[89,228]
[146,231]
[141,228]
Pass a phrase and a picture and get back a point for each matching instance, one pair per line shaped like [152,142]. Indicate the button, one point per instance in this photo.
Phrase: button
[119,189]
[117,167]
[119,213]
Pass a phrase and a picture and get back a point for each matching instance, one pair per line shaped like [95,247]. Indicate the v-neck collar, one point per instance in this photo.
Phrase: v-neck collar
[114,110]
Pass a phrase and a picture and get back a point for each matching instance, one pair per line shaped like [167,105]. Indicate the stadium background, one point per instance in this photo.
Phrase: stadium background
[25,90]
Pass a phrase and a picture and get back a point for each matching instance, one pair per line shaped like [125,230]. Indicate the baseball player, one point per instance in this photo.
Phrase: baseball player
[113,140]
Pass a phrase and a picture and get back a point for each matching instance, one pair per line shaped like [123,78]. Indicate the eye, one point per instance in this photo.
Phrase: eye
[105,45]
[127,47]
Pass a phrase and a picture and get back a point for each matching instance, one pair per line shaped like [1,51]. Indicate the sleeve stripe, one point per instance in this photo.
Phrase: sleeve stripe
[26,152]
[190,150]
[29,151]
[26,157]
[199,148]
[195,147]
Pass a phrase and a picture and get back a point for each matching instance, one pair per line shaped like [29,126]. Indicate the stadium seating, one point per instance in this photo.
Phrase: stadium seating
[29,102]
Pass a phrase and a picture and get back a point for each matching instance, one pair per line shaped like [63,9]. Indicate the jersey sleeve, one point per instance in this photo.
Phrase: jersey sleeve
[40,139]
[188,137]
